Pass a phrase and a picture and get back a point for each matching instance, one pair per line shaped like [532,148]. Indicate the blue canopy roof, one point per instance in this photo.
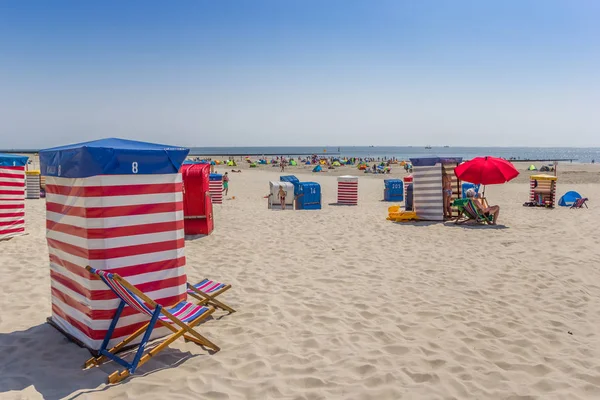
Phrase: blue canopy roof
[568,199]
[12,160]
[111,157]
[430,161]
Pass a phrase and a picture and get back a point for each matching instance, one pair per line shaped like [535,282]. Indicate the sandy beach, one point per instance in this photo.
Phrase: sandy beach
[342,304]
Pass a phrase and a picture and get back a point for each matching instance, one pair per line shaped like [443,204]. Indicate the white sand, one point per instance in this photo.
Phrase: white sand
[342,304]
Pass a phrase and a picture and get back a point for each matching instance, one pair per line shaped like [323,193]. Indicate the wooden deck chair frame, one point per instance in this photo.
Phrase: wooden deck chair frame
[466,216]
[209,299]
[183,330]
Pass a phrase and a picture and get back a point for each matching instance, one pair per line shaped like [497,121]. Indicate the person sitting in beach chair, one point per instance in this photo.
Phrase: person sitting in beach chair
[482,207]
[468,211]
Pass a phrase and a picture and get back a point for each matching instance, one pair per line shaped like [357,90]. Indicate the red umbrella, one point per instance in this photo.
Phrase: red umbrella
[486,171]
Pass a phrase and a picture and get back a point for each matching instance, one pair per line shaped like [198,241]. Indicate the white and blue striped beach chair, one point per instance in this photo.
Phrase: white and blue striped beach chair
[185,315]
[205,292]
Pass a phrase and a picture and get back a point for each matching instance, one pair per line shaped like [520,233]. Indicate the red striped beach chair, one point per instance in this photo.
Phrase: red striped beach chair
[206,291]
[184,315]
[579,203]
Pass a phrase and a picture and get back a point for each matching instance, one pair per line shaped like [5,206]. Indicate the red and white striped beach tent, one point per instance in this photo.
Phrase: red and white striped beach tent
[347,190]
[12,195]
[215,187]
[115,205]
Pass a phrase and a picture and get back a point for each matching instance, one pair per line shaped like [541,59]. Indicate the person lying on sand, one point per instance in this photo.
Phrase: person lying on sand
[487,211]
[236,170]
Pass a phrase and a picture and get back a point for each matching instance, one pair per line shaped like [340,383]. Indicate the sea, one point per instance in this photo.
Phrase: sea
[570,154]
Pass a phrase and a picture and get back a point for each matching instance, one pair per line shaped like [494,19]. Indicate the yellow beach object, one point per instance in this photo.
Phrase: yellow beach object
[543,177]
[397,215]
[393,209]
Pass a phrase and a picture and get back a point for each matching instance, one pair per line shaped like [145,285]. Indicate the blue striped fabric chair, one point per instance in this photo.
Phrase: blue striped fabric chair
[205,292]
[180,319]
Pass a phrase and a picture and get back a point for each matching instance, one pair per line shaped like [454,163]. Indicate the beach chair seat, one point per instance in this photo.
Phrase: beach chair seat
[180,319]
[184,311]
[205,292]
[468,211]
[579,203]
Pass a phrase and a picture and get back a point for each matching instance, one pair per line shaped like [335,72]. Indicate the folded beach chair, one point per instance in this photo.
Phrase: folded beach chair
[468,211]
[579,203]
[180,319]
[206,291]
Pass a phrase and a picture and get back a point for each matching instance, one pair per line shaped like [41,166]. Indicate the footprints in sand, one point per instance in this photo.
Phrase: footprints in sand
[397,350]
[337,305]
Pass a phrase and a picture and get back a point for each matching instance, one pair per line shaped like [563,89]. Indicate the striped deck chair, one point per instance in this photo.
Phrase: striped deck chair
[469,212]
[205,292]
[183,315]
[579,203]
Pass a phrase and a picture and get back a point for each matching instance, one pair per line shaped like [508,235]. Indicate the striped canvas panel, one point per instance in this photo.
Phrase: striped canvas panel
[427,192]
[208,286]
[92,338]
[347,192]
[32,186]
[215,189]
[12,202]
[131,225]
[186,312]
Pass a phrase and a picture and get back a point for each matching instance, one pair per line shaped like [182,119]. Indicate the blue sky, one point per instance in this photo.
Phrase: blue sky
[219,73]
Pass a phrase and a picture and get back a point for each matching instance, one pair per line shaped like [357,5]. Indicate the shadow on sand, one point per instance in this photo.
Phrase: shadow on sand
[451,224]
[45,359]
[193,238]
[417,223]
[475,226]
